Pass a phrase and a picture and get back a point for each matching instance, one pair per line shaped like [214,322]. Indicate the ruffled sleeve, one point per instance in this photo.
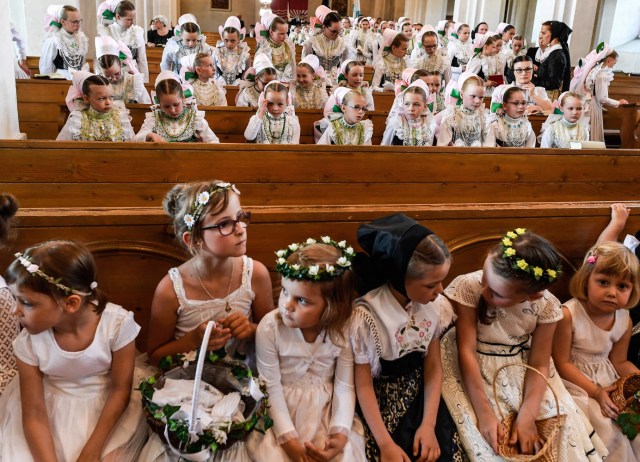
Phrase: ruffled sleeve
[169,55]
[268,362]
[49,53]
[603,79]
[368,132]
[368,93]
[147,127]
[71,129]
[252,130]
[327,135]
[125,123]
[392,130]
[139,90]
[378,72]
[141,59]
[125,329]
[295,128]
[364,341]
[489,135]
[344,394]
[23,348]
[203,130]
[531,137]
[445,132]
[475,65]
[546,136]
[549,308]
[465,289]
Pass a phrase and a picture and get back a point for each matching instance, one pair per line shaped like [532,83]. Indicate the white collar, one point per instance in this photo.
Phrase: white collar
[542,56]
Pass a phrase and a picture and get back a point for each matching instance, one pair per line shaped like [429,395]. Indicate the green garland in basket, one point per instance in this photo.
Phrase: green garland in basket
[630,421]
[214,438]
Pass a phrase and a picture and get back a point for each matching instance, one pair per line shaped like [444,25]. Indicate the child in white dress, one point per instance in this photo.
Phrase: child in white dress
[467,124]
[460,50]
[305,359]
[347,127]
[273,42]
[506,315]
[393,61]
[395,340]
[255,80]
[175,116]
[309,91]
[591,341]
[275,121]
[9,327]
[198,70]
[96,117]
[510,125]
[65,46]
[231,54]
[413,124]
[566,124]
[358,40]
[219,282]
[351,76]
[432,59]
[486,63]
[72,399]
[187,41]
[113,58]
[116,19]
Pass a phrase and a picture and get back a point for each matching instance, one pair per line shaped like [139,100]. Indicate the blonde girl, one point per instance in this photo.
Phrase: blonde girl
[274,43]
[506,315]
[347,127]
[389,67]
[358,41]
[65,46]
[113,58]
[460,50]
[9,327]
[198,70]
[231,54]
[275,121]
[413,125]
[467,124]
[187,41]
[305,358]
[72,399]
[592,339]
[396,340]
[486,63]
[174,117]
[561,129]
[351,76]
[95,117]
[510,125]
[309,91]
[255,80]
[433,59]
[219,282]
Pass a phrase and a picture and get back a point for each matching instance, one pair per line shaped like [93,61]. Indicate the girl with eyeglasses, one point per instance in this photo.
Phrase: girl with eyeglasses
[329,46]
[65,46]
[432,59]
[255,80]
[219,282]
[345,125]
[510,125]
[536,97]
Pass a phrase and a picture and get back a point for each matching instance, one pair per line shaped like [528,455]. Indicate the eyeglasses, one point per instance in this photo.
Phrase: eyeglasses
[227,227]
[431,47]
[517,103]
[335,32]
[77,22]
[357,108]
[522,71]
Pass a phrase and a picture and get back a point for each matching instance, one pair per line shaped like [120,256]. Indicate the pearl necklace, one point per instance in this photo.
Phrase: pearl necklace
[181,128]
[433,63]
[206,93]
[513,132]
[230,63]
[123,89]
[393,67]
[308,98]
[98,126]
[416,133]
[271,127]
[468,126]
[71,49]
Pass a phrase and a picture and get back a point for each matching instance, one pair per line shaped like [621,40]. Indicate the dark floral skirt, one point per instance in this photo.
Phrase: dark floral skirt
[400,394]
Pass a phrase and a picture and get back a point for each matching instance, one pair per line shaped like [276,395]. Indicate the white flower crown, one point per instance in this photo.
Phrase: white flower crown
[202,200]
[35,270]
[314,272]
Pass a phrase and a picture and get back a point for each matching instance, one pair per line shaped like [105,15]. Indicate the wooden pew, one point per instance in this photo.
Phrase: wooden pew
[97,193]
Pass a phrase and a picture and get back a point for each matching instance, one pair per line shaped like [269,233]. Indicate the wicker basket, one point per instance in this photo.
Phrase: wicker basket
[227,375]
[548,429]
[624,394]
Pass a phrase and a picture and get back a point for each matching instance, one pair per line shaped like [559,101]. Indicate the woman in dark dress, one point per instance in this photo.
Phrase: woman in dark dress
[161,33]
[554,70]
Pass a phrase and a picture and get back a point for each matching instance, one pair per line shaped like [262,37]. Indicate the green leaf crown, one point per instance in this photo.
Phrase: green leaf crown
[314,272]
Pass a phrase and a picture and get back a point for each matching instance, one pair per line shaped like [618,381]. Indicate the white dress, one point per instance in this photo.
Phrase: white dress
[590,354]
[434,63]
[464,127]
[90,125]
[9,329]
[358,49]
[462,52]
[209,93]
[330,53]
[130,89]
[192,313]
[175,50]
[505,341]
[231,65]
[485,66]
[341,133]
[62,51]
[134,38]
[283,58]
[402,132]
[311,392]
[187,127]
[561,133]
[76,386]
[248,96]
[284,129]
[387,70]
[597,83]
[510,132]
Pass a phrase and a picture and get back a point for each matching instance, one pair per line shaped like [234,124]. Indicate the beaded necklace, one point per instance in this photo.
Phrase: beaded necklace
[127,36]
[346,134]
[207,93]
[98,126]
[468,126]
[252,94]
[230,63]
[329,52]
[513,132]
[71,48]
[433,63]
[181,128]
[280,55]
[273,129]
[416,133]
[123,89]
[393,67]
[463,52]
[308,98]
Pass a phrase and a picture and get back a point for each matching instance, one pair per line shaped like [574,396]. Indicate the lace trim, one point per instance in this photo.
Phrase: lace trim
[182,128]
[95,126]
[468,126]
[513,132]
[363,316]
[207,93]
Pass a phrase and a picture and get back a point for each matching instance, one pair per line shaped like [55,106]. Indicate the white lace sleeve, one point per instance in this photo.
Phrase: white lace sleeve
[475,65]
[139,90]
[465,289]
[295,123]
[447,314]
[241,99]
[369,95]
[344,393]
[147,127]
[546,137]
[602,91]
[252,130]
[268,362]
[550,308]
[71,129]
[368,132]
[377,75]
[141,60]
[203,130]
[390,132]
[125,121]
[168,55]
[445,133]
[364,340]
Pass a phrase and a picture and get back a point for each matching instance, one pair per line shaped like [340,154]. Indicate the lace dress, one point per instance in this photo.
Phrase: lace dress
[590,354]
[62,51]
[282,56]
[515,133]
[597,83]
[284,129]
[313,97]
[134,38]
[561,133]
[189,126]
[507,340]
[76,387]
[130,89]
[464,127]
[387,70]
[176,50]
[248,96]
[330,53]
[341,133]
[90,125]
[209,93]
[311,392]
[231,65]
[402,132]
[9,329]
[434,63]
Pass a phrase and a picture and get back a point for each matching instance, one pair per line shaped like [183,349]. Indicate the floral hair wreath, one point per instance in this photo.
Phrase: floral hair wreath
[314,272]
[520,264]
[34,269]
[203,199]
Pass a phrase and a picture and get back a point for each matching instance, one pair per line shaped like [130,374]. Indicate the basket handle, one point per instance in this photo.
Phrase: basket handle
[495,391]
[195,398]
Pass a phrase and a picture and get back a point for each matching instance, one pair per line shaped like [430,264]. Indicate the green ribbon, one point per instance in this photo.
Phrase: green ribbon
[580,63]
[430,106]
[453,34]
[336,108]
[403,87]
[495,106]
[191,76]
[558,111]
[264,33]
[108,14]
[419,45]
[455,93]
[55,24]
[477,50]
[122,56]
[387,49]
[600,47]
[441,32]
[187,94]
[155,99]
[341,77]
[251,77]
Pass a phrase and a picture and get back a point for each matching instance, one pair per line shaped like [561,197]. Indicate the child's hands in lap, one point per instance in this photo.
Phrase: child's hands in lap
[491,430]
[239,326]
[607,407]
[393,453]
[333,446]
[425,444]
